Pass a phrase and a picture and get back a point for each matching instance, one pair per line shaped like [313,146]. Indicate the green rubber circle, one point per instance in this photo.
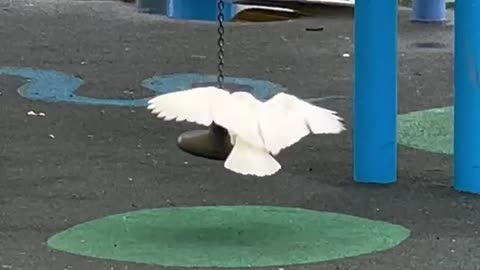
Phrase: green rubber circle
[429,130]
[228,236]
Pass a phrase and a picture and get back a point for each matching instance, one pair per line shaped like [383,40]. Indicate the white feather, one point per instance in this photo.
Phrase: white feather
[286,119]
[248,159]
[281,124]
[239,116]
[320,120]
[192,105]
[257,129]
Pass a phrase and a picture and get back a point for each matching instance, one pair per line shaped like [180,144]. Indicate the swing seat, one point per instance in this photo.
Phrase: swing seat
[213,143]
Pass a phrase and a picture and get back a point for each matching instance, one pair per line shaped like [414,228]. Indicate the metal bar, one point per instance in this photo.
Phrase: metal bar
[467,96]
[375,92]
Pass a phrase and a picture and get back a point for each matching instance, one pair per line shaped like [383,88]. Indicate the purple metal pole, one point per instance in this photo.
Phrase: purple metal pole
[428,11]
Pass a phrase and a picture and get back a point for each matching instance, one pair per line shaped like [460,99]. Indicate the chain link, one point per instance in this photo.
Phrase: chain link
[220,42]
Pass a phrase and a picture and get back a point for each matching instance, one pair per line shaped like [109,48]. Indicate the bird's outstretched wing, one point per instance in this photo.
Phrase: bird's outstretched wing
[273,125]
[286,119]
[193,105]
[237,112]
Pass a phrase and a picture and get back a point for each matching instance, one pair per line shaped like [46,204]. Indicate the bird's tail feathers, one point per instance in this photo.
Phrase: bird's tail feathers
[247,159]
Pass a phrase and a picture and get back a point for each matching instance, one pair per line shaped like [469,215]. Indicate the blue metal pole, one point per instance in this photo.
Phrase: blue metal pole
[375,92]
[428,10]
[467,96]
[205,10]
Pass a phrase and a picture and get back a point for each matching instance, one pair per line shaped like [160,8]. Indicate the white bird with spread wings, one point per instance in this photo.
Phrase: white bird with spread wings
[257,129]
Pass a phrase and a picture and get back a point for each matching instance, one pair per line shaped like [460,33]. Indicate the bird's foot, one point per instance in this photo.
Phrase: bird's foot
[213,143]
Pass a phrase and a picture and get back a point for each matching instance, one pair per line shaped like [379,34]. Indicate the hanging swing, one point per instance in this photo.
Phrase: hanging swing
[214,142]
[243,131]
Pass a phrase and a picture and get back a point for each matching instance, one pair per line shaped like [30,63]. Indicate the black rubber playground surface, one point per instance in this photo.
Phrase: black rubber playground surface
[80,163]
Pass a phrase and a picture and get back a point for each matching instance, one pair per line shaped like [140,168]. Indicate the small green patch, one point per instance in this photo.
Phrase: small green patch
[429,130]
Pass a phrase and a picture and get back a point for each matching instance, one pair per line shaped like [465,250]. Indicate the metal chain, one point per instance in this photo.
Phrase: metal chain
[220,42]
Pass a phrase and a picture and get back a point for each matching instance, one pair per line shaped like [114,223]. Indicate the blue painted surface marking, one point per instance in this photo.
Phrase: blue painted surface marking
[262,90]
[54,86]
[375,92]
[467,96]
